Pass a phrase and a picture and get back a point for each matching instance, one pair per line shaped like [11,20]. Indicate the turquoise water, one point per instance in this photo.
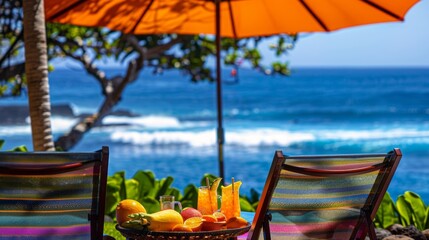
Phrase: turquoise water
[315,111]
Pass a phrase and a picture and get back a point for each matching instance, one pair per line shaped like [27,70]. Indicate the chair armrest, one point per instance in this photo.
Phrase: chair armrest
[19,169]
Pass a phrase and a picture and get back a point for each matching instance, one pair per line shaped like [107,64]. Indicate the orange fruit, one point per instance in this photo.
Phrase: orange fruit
[209,218]
[194,223]
[219,216]
[236,222]
[127,207]
[181,228]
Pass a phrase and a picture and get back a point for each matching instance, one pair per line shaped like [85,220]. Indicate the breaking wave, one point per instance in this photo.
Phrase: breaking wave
[266,137]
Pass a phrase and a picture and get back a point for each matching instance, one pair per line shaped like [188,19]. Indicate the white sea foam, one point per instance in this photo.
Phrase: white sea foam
[195,139]
[266,137]
[151,121]
[371,134]
[62,124]
[205,138]
[58,124]
[14,130]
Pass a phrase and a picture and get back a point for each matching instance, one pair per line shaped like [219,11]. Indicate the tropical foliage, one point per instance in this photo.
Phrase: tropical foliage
[146,189]
[21,148]
[409,209]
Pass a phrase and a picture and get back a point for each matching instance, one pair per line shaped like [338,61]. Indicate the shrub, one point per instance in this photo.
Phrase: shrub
[409,209]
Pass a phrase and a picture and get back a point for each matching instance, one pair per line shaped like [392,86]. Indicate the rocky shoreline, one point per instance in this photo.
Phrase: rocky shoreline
[18,114]
[397,231]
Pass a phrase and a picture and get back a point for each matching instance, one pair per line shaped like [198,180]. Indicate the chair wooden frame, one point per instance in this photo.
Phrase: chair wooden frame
[388,166]
[99,158]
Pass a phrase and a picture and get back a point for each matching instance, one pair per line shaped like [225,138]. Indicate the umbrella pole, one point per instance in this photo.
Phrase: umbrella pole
[220,131]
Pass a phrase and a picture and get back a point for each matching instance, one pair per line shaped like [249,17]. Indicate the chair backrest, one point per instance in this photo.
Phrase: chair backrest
[323,197]
[52,195]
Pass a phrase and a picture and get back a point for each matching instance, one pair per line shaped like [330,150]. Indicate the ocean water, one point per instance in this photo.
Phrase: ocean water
[315,111]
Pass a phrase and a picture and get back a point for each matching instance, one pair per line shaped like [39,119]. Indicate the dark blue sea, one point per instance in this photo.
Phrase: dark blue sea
[315,111]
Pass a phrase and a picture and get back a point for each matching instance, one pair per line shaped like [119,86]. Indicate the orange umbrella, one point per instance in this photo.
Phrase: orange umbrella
[227,18]
[240,18]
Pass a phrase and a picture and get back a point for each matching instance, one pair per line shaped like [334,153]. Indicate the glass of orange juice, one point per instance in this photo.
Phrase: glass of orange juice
[230,200]
[207,200]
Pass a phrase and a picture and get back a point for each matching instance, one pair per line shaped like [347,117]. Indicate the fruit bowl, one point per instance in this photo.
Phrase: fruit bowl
[216,234]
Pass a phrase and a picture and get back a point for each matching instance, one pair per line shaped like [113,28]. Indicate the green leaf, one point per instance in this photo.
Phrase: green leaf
[255,205]
[123,190]
[132,188]
[115,192]
[418,209]
[110,230]
[174,192]
[190,197]
[246,206]
[1,143]
[19,149]
[254,195]
[386,213]
[147,186]
[112,198]
[150,204]
[164,185]
[405,211]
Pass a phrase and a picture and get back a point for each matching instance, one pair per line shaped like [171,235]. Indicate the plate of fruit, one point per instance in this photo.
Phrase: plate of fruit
[189,224]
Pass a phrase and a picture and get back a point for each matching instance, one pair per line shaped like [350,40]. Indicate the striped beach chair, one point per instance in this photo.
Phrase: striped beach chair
[323,197]
[52,195]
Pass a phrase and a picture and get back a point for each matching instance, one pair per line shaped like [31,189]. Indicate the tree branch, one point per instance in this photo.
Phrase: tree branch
[157,51]
[86,62]
[12,71]
[69,140]
[115,86]
[12,47]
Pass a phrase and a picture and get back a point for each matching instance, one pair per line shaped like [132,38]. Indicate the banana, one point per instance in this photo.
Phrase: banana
[160,221]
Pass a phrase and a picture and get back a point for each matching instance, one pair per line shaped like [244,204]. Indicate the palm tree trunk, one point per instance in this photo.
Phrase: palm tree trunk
[36,69]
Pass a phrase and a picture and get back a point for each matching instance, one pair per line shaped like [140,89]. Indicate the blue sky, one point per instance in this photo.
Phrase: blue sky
[386,44]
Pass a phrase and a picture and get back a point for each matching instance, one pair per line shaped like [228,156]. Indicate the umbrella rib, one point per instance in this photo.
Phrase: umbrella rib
[231,16]
[319,21]
[68,8]
[142,16]
[382,9]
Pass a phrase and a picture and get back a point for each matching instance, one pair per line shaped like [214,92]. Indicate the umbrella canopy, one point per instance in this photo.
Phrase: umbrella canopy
[240,18]
[227,18]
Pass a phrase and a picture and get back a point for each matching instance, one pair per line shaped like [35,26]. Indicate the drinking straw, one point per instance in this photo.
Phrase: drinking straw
[207,182]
